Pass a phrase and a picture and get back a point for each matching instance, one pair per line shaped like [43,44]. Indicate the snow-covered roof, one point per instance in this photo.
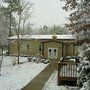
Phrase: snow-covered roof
[42,37]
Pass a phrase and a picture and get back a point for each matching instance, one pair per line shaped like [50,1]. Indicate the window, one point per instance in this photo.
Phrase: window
[50,52]
[55,52]
[27,47]
[40,48]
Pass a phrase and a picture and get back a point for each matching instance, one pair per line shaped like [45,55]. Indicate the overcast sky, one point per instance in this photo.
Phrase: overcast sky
[49,12]
[0,1]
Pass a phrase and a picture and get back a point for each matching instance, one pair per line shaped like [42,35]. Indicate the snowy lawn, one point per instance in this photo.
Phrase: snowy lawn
[52,84]
[18,76]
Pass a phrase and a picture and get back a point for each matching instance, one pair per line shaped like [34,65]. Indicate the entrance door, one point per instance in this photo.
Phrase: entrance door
[53,53]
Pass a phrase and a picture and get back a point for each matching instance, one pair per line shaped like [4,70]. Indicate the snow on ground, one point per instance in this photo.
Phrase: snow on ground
[18,76]
[51,84]
[8,60]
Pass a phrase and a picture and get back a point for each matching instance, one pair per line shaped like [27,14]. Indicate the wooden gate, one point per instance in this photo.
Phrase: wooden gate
[67,72]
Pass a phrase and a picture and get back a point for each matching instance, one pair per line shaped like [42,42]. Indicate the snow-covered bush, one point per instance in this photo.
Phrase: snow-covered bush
[87,54]
[84,69]
[29,59]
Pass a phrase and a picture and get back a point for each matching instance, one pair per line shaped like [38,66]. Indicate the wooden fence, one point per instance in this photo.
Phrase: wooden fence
[67,71]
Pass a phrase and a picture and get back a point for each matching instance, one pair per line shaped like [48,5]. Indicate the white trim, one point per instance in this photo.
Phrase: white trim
[42,37]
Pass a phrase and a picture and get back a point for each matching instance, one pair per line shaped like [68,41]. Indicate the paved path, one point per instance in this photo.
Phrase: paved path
[39,81]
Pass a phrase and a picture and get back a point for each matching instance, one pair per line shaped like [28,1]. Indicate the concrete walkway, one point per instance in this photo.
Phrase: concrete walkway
[39,81]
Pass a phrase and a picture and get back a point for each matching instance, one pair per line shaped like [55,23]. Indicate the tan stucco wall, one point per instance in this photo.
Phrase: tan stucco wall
[13,48]
[69,50]
[34,48]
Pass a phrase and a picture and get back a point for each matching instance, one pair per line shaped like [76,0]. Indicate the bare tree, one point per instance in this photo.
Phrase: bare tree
[24,13]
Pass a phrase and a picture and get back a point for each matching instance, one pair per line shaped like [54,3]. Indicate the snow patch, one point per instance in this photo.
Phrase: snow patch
[18,76]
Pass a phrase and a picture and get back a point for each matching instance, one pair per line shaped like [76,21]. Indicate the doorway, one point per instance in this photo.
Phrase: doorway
[52,53]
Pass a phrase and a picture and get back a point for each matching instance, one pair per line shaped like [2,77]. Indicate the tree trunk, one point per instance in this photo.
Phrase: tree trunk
[18,39]
[1,60]
[10,26]
[18,47]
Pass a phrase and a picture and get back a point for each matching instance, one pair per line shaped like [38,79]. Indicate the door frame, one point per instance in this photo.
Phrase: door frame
[53,54]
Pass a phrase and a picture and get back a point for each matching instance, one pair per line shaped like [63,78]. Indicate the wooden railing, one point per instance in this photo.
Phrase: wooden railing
[67,71]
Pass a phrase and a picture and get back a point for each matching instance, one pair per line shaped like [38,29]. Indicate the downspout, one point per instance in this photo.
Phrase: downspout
[43,49]
[62,49]
[73,50]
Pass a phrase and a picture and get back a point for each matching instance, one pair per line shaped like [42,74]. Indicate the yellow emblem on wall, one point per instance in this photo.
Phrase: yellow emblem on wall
[54,36]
